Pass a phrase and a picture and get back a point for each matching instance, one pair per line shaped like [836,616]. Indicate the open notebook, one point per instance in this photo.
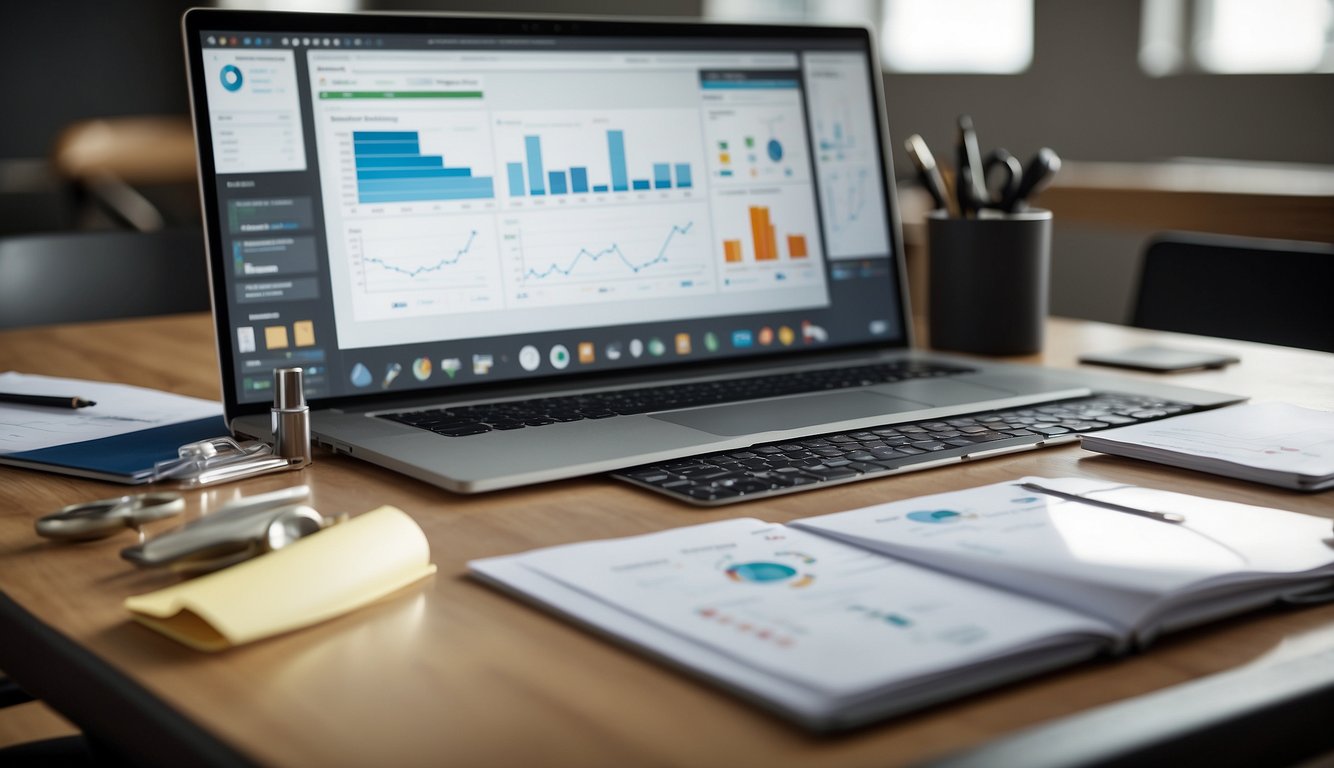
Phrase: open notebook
[837,620]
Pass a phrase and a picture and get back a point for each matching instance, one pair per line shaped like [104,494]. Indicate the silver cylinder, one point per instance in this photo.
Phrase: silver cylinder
[291,416]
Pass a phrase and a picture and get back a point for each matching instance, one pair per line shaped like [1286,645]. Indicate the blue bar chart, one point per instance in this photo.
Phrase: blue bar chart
[530,178]
[391,168]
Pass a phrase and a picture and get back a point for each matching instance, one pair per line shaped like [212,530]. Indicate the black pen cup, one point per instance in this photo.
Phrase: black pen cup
[989,278]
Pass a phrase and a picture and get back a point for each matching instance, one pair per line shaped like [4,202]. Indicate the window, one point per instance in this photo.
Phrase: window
[1237,36]
[959,36]
[936,36]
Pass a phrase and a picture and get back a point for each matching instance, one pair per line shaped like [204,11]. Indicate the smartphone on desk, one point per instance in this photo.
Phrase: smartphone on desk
[1159,359]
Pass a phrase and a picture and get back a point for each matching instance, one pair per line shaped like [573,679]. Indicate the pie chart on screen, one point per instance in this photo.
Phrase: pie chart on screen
[231,77]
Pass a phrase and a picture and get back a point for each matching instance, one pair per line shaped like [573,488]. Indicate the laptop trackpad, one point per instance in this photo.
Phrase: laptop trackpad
[788,413]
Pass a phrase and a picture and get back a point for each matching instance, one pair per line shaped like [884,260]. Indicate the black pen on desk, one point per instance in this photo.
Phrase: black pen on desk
[1162,517]
[928,173]
[46,401]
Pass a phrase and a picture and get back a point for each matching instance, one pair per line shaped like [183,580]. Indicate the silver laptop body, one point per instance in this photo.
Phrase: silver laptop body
[429,213]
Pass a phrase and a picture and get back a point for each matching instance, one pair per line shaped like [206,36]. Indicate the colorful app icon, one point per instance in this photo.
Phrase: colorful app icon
[682,343]
[656,347]
[711,341]
[451,366]
[586,352]
[421,368]
[245,339]
[361,376]
[391,372]
[481,364]
[275,337]
[559,357]
[303,332]
[613,350]
[530,358]
[742,339]
[636,348]
[812,333]
[766,336]
[786,336]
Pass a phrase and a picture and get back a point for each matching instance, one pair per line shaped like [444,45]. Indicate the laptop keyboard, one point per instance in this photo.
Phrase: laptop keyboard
[479,419]
[768,469]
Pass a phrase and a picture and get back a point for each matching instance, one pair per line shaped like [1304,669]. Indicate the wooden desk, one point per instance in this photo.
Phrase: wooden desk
[453,672]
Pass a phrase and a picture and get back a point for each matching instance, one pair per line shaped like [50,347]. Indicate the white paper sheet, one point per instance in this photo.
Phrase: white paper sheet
[120,409]
[1274,437]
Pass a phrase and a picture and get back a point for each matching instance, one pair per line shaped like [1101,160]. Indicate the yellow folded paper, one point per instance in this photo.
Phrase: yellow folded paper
[314,579]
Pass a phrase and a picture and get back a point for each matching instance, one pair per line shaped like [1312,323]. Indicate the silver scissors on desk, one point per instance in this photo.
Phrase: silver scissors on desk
[98,519]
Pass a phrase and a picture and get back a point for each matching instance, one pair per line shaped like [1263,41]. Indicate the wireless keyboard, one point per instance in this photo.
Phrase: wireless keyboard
[770,469]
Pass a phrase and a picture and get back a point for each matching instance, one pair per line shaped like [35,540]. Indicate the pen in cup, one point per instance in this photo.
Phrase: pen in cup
[1039,173]
[928,172]
[969,191]
[972,187]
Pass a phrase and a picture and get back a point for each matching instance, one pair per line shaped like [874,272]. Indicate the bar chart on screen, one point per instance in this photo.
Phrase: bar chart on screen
[420,160]
[766,237]
[584,157]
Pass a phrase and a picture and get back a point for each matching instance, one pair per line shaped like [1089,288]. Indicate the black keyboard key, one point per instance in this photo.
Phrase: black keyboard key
[834,473]
[711,493]
[865,467]
[750,486]
[461,430]
[1114,420]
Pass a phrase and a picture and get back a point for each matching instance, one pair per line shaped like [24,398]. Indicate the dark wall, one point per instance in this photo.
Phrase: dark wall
[65,60]
[1086,96]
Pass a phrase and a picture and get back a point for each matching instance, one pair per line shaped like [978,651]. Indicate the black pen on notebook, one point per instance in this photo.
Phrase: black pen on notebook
[46,401]
[1163,517]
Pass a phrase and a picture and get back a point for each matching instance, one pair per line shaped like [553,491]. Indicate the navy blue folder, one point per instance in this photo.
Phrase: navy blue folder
[127,458]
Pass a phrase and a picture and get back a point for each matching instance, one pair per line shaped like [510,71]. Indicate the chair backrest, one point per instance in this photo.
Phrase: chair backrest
[1271,291]
[85,276]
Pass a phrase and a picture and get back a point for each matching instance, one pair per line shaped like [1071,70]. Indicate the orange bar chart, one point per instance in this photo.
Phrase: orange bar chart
[764,239]
[796,246]
[762,233]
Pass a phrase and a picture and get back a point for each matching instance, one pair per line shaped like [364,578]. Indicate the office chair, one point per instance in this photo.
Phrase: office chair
[108,162]
[85,276]
[1252,289]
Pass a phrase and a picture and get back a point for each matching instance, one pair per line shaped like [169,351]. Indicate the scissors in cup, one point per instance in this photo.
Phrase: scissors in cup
[1002,165]
[98,519]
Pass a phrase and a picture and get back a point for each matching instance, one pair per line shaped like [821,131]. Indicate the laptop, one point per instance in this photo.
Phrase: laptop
[509,250]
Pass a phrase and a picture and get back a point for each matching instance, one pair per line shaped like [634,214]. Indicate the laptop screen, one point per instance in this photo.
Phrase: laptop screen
[395,207]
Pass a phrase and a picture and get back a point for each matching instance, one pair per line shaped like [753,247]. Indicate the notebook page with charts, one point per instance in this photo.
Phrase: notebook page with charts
[1143,575]
[826,633]
[837,620]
